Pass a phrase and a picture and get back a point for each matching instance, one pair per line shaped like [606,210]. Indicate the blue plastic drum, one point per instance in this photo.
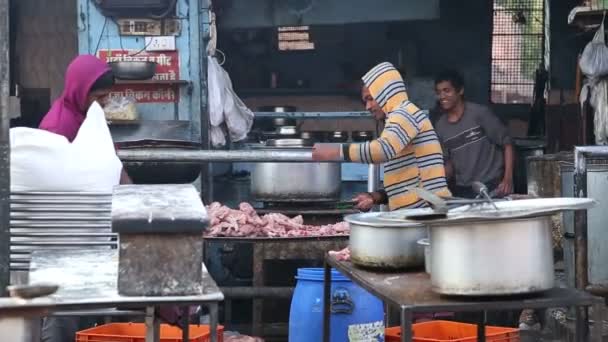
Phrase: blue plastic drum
[356,315]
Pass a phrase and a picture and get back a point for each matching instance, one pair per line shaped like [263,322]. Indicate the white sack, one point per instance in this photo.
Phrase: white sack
[45,161]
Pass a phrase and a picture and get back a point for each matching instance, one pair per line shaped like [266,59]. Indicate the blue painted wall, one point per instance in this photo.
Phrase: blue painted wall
[194,23]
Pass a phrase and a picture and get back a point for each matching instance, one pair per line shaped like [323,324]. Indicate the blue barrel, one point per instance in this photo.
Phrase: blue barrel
[356,315]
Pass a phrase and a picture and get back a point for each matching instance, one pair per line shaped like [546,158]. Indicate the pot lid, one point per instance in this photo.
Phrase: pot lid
[516,209]
[288,143]
[378,221]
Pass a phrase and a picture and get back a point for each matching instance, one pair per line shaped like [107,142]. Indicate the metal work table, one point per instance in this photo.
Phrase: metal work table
[412,292]
[87,280]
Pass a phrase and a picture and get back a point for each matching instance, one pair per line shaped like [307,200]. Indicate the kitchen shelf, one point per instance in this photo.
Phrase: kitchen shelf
[175,82]
[315,115]
[295,91]
[585,18]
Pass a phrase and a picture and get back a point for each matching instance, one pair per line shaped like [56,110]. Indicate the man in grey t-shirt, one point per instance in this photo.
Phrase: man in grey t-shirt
[475,143]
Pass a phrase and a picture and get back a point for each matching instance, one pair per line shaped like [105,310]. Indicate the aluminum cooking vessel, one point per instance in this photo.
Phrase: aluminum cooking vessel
[295,182]
[487,258]
[384,244]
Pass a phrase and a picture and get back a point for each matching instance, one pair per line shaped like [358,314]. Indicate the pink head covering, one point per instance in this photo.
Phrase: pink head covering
[69,110]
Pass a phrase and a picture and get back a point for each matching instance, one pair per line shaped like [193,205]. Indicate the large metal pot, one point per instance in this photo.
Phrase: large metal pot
[492,257]
[295,182]
[379,243]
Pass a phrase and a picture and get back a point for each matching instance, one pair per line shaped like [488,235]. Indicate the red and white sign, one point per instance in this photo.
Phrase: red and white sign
[167,70]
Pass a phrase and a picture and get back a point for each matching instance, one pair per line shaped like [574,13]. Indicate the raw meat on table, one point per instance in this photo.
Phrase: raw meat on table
[245,222]
[343,255]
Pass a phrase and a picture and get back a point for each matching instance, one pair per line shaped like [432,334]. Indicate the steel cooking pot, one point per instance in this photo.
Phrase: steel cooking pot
[278,109]
[362,136]
[287,131]
[488,258]
[472,242]
[295,182]
[378,243]
[426,245]
[313,136]
[338,136]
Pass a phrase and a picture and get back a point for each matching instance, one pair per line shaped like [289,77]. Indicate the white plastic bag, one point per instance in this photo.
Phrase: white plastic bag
[226,106]
[45,161]
[599,102]
[121,108]
[217,136]
[217,94]
[594,60]
[596,92]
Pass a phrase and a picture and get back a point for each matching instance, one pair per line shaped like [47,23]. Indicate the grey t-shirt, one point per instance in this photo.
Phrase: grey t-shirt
[474,144]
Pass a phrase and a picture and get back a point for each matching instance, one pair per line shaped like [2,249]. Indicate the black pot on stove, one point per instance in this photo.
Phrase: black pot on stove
[161,173]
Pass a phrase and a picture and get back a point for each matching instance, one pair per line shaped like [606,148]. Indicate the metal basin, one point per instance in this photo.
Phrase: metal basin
[133,70]
[378,243]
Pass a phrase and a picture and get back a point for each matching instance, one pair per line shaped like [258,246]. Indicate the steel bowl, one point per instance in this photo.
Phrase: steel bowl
[277,109]
[313,136]
[338,136]
[133,70]
[362,136]
[278,122]
[287,130]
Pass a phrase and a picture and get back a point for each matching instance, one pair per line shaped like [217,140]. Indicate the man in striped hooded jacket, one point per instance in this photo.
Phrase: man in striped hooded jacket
[408,145]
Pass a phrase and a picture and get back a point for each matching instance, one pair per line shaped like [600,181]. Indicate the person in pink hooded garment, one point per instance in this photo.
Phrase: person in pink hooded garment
[87,79]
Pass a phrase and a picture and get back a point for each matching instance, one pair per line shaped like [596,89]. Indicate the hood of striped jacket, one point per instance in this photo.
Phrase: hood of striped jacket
[386,86]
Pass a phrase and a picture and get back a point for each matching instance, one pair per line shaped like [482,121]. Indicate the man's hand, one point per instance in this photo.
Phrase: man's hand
[505,187]
[364,201]
[326,152]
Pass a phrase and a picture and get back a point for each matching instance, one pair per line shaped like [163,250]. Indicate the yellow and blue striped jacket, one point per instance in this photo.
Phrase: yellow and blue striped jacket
[408,144]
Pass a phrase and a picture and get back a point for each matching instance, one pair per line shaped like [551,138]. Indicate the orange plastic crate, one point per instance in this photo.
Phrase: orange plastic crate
[446,331]
[136,332]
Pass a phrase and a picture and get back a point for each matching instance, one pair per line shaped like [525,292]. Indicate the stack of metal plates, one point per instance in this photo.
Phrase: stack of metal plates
[58,220]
